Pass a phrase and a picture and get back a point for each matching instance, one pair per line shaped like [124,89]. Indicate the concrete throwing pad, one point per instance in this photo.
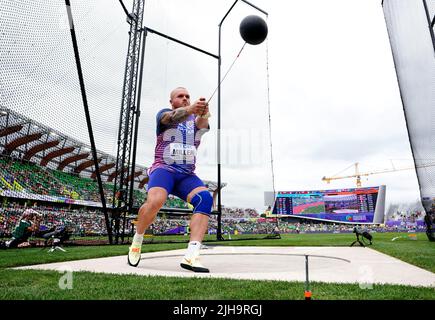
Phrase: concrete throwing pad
[326,264]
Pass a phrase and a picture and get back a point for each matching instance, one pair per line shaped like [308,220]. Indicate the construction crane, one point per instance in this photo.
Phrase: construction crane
[358,174]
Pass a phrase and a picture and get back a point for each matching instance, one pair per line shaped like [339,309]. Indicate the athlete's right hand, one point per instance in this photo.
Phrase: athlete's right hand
[198,107]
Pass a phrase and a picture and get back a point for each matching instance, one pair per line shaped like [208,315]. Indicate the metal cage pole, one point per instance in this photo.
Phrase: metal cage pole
[431,23]
[219,196]
[88,118]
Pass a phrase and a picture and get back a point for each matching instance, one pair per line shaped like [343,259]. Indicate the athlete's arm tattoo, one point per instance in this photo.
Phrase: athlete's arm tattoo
[176,116]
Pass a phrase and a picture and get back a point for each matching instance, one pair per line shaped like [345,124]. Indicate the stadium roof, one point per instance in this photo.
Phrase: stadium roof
[25,139]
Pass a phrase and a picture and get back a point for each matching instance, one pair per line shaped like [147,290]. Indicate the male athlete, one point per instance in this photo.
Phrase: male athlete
[179,132]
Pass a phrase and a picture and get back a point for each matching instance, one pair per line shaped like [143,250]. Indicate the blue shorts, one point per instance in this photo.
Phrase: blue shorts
[176,183]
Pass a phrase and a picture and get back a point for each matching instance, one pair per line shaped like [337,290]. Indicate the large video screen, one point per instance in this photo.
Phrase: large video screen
[342,205]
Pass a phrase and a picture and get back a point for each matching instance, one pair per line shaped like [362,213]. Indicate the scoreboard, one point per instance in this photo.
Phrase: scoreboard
[352,205]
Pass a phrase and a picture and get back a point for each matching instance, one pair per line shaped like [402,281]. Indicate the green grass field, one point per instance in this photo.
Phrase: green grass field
[33,284]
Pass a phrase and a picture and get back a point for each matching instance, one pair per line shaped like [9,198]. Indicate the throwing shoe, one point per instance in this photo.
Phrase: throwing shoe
[134,255]
[193,264]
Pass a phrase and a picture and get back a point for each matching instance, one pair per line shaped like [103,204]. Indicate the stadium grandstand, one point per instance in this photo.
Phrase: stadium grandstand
[39,163]
[54,174]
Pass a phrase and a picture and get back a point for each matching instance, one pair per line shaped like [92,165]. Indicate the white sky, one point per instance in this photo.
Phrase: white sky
[334,96]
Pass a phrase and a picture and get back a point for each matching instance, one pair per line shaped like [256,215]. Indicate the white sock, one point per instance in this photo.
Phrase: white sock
[137,239]
[193,249]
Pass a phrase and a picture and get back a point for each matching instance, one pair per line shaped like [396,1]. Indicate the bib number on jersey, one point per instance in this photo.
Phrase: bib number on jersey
[182,152]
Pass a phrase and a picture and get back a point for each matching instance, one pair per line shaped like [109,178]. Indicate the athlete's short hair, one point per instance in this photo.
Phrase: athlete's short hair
[172,92]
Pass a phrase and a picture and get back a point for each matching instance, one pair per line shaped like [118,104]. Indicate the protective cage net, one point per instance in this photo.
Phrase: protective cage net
[46,163]
[246,133]
[413,48]
[245,140]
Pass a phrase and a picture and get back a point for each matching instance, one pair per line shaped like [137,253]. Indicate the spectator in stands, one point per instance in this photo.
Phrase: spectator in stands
[179,132]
